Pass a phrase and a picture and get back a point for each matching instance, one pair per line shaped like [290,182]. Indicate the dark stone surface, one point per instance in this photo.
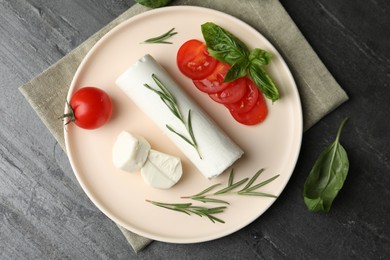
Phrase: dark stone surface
[44,214]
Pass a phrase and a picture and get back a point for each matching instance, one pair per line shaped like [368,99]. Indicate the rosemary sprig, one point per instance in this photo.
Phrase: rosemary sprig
[188,208]
[162,38]
[170,101]
[248,190]
[204,196]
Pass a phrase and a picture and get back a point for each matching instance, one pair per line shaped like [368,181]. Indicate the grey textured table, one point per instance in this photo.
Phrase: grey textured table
[44,213]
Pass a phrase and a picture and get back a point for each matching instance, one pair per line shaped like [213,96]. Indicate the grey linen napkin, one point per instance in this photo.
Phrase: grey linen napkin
[319,92]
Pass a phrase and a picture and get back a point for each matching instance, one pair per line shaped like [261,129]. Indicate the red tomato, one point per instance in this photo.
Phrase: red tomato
[254,116]
[90,108]
[232,94]
[213,83]
[248,101]
[194,61]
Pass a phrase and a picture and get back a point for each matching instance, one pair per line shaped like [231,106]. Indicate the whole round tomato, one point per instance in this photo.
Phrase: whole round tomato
[194,61]
[90,108]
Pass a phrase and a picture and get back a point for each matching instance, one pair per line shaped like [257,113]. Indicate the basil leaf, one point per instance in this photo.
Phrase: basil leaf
[262,80]
[153,3]
[327,176]
[261,56]
[223,45]
[238,70]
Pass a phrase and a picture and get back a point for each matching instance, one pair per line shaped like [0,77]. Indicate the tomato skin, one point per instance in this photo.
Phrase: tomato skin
[254,116]
[214,83]
[232,94]
[91,106]
[194,60]
[248,101]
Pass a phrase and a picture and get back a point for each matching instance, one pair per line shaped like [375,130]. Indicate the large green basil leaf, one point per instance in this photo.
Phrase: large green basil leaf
[327,176]
[222,45]
[153,3]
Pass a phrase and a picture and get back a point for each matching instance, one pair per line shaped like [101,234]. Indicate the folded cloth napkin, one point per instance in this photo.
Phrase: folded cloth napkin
[319,92]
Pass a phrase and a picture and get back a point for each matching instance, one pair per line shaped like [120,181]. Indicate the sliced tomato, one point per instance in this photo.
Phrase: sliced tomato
[213,83]
[248,101]
[194,61]
[232,94]
[254,116]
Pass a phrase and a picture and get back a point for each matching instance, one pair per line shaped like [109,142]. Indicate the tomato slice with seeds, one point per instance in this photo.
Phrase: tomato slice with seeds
[214,83]
[254,116]
[232,94]
[194,61]
[248,101]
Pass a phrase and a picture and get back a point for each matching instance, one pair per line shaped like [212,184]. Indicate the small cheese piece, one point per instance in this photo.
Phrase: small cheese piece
[130,152]
[218,151]
[161,171]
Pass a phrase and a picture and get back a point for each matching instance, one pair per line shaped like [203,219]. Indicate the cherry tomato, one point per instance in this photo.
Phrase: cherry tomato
[90,108]
[248,101]
[232,94]
[213,83]
[194,61]
[254,116]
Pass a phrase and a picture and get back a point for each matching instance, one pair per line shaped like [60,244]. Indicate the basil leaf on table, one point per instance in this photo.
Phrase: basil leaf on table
[153,3]
[327,176]
[227,48]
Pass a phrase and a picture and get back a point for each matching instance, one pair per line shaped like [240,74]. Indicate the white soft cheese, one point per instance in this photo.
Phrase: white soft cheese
[161,171]
[130,152]
[218,151]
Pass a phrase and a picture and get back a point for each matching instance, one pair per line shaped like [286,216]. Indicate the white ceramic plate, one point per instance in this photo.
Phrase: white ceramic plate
[273,144]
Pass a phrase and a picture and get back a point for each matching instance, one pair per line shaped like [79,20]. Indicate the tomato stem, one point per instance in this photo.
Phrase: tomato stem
[70,114]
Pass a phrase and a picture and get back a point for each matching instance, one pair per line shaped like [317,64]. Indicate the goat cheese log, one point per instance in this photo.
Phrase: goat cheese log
[217,150]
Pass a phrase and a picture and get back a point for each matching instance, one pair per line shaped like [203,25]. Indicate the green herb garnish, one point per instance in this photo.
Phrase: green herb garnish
[248,190]
[206,197]
[162,38]
[170,101]
[189,209]
[327,176]
[153,3]
[227,48]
